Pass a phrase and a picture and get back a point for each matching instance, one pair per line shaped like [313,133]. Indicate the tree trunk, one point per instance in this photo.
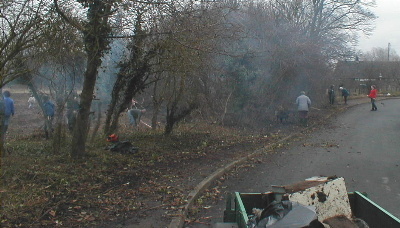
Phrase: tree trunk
[39,100]
[173,116]
[98,121]
[170,121]
[59,130]
[226,107]
[119,102]
[156,107]
[96,43]
[2,135]
[59,135]
[111,106]
[132,77]
[82,120]
[154,118]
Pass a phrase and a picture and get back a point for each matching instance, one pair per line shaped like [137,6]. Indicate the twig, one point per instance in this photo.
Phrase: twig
[2,175]
[205,223]
[195,221]
[52,208]
[156,207]
[208,217]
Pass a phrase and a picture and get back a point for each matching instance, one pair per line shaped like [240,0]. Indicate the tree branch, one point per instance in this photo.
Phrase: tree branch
[67,19]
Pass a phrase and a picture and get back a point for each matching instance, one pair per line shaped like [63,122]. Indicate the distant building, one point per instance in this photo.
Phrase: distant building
[358,76]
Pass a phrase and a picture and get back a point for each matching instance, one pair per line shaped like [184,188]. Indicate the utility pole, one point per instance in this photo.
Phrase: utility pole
[388,51]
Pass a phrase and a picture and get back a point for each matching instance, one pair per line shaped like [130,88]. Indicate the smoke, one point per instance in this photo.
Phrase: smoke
[109,69]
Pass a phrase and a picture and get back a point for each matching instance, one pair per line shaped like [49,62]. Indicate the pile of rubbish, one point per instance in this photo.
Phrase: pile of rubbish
[124,147]
[317,202]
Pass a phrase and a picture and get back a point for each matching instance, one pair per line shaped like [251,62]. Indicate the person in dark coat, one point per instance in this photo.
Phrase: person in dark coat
[345,94]
[72,112]
[49,111]
[8,110]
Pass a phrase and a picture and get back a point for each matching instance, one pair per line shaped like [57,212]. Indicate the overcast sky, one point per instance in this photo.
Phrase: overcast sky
[387,27]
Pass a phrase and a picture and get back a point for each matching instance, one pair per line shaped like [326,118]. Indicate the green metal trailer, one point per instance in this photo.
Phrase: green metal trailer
[240,205]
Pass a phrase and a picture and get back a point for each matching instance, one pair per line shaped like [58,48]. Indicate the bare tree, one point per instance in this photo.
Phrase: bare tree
[292,41]
[22,25]
[331,23]
[133,74]
[96,30]
[381,54]
[104,21]
[388,63]
[199,34]
[178,41]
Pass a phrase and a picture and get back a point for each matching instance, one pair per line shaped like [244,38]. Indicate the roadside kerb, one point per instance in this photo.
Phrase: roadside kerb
[179,221]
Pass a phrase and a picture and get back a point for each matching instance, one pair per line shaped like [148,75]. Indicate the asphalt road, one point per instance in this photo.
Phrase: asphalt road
[360,145]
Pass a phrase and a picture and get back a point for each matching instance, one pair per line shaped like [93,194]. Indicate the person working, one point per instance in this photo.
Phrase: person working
[373,95]
[303,104]
[135,115]
[345,94]
[8,110]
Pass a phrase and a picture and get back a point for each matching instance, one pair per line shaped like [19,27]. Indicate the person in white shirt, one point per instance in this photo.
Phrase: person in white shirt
[303,105]
[31,101]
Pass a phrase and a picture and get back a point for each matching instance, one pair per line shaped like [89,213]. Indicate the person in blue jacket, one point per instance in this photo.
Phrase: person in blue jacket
[8,110]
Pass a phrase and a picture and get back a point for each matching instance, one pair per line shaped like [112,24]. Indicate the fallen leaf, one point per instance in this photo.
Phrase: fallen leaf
[52,213]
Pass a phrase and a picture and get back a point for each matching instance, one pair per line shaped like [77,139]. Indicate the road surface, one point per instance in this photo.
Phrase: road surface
[360,145]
